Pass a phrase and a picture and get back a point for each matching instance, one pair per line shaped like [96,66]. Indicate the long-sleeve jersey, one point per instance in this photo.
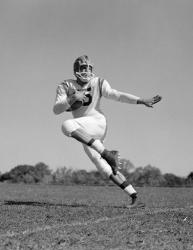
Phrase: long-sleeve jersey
[94,90]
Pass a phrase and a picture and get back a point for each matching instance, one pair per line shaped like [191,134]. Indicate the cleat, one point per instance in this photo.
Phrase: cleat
[135,203]
[112,158]
[133,198]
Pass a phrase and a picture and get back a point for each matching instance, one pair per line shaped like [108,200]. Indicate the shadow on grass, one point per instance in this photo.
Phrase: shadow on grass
[41,204]
[49,204]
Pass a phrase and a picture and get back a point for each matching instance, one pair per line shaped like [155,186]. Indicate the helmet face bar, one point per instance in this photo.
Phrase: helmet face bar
[83,69]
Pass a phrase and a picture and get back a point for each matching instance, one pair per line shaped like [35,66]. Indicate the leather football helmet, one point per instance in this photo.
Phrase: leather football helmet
[83,69]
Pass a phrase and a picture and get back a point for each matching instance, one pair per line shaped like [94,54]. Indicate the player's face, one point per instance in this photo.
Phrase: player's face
[84,73]
[86,68]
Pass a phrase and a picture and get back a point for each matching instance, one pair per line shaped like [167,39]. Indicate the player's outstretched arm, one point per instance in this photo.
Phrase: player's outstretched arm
[150,102]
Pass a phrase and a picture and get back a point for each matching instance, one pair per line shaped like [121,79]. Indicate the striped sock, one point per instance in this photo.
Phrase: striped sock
[97,145]
[128,188]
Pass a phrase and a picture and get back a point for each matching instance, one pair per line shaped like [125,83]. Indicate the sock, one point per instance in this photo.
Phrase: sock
[128,188]
[97,145]
[121,181]
[85,138]
[118,179]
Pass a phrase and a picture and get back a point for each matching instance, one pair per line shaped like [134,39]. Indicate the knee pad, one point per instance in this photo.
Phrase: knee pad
[69,126]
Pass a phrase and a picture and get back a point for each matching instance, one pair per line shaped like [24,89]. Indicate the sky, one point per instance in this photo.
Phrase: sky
[142,47]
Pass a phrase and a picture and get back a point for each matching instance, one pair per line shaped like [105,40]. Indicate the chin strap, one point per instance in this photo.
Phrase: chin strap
[84,76]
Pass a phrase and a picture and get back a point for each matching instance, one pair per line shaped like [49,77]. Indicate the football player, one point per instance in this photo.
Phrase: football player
[82,97]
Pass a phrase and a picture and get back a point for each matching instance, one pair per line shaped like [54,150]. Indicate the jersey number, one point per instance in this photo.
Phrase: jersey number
[89,99]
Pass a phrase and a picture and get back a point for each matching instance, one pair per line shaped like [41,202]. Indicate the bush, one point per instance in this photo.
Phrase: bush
[27,173]
[141,176]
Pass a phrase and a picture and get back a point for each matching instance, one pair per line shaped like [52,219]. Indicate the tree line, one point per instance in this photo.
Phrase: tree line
[138,176]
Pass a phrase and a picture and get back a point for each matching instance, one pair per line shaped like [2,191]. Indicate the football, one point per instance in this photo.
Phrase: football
[75,105]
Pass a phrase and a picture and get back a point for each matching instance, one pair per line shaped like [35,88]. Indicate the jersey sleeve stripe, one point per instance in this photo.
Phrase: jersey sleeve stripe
[100,86]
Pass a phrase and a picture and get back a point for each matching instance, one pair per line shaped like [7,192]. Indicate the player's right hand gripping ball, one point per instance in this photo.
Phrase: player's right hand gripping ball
[77,98]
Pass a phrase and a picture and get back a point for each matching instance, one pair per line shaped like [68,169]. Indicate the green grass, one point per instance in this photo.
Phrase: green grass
[80,217]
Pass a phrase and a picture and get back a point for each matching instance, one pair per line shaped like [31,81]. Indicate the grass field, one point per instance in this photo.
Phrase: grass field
[80,217]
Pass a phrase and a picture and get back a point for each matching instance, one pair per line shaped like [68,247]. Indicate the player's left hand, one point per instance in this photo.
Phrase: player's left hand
[78,96]
[150,102]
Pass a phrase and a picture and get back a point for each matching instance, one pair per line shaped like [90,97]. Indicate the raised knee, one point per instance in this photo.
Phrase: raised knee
[67,127]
